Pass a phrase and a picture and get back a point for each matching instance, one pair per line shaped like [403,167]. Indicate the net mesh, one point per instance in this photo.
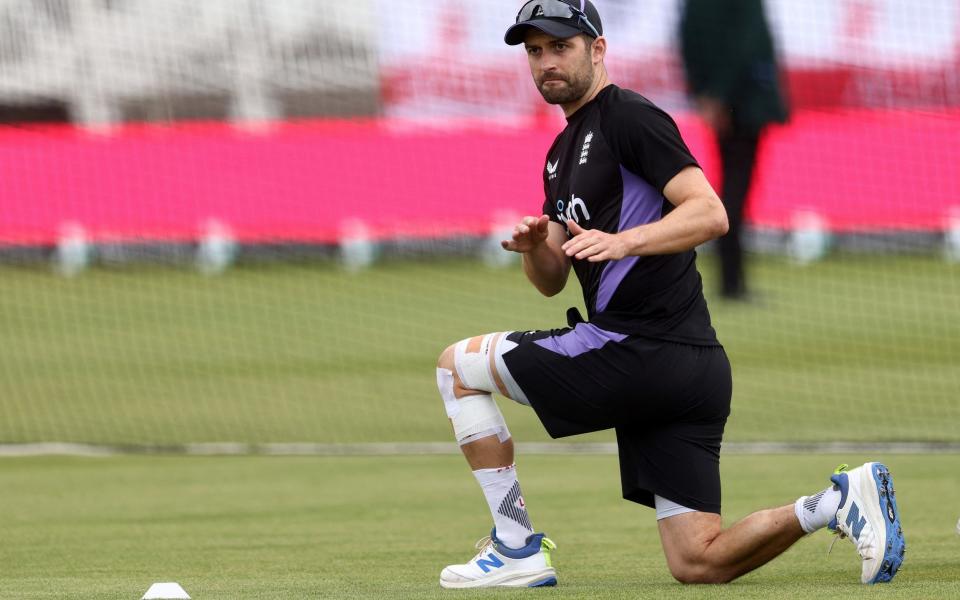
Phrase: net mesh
[262,221]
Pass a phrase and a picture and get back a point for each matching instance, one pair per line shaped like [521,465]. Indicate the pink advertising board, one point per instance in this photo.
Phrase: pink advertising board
[859,169]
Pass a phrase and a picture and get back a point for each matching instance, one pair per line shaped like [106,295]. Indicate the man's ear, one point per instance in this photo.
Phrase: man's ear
[598,49]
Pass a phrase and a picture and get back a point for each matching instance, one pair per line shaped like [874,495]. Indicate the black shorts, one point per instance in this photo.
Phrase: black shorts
[668,403]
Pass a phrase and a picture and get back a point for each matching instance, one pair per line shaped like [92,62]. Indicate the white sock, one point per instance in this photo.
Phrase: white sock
[509,511]
[814,512]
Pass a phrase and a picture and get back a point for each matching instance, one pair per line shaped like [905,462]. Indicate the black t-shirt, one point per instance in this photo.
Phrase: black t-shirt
[607,170]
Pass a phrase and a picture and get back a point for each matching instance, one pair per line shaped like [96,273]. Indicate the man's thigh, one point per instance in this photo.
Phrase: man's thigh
[574,378]
[585,379]
[477,364]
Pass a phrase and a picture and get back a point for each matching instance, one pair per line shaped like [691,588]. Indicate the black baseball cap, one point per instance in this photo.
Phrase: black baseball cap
[560,18]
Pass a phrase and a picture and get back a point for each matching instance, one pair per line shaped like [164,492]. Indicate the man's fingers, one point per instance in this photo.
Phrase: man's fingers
[600,256]
[577,246]
[543,224]
[527,233]
[589,251]
[588,246]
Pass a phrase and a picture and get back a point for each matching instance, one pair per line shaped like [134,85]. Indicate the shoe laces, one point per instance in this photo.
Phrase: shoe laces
[837,535]
[482,545]
[483,542]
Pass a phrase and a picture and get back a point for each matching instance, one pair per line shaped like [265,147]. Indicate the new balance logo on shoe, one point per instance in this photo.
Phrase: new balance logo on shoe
[491,562]
[855,522]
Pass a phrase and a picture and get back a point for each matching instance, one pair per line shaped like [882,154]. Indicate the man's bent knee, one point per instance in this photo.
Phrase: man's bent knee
[478,366]
[448,362]
[690,572]
[687,539]
[472,410]
[446,358]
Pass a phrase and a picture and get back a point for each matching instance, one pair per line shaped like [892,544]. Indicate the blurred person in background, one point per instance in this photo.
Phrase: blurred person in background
[625,205]
[732,74]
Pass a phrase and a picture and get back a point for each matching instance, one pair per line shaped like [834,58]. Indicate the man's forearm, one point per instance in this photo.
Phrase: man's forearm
[687,226]
[546,268]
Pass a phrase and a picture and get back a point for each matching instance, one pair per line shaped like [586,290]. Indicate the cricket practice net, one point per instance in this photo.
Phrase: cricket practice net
[261,221]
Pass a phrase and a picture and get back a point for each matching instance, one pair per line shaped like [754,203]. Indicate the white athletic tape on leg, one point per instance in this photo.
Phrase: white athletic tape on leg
[445,385]
[478,415]
[474,367]
[502,433]
[473,417]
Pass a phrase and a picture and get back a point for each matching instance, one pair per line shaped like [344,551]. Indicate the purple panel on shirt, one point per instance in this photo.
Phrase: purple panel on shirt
[582,338]
[641,204]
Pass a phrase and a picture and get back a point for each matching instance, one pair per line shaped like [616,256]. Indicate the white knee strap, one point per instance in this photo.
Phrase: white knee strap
[473,417]
[473,368]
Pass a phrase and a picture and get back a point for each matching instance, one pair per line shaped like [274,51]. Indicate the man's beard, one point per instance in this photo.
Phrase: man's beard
[578,84]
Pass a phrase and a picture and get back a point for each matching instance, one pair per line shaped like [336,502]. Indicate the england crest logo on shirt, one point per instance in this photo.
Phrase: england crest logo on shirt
[585,150]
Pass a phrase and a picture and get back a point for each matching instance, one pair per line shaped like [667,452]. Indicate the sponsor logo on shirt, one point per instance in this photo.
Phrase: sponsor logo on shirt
[552,169]
[576,210]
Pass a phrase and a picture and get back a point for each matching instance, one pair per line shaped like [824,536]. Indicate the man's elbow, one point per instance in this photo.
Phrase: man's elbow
[549,277]
[719,224]
[552,289]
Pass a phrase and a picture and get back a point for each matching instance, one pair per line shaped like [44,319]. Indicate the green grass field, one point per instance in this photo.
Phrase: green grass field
[306,353]
[269,527]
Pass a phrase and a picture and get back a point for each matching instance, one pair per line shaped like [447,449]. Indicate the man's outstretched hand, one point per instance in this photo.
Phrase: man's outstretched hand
[593,245]
[528,234]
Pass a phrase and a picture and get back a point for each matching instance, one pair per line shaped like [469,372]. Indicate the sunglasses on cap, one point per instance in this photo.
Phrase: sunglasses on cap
[554,9]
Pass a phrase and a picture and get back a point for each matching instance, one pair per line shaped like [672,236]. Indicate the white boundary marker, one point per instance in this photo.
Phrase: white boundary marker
[166,591]
[451,448]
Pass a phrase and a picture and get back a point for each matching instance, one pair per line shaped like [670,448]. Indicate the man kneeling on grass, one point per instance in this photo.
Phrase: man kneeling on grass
[626,205]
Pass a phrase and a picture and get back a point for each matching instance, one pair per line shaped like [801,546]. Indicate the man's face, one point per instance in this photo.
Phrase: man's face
[562,69]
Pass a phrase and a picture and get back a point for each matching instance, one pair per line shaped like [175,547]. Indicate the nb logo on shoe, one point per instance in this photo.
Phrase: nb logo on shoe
[855,522]
[491,562]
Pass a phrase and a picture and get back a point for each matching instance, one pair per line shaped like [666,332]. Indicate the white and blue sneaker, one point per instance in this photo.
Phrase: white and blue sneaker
[498,566]
[868,515]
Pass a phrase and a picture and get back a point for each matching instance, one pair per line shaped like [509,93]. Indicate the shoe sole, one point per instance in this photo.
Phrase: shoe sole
[895,545]
[545,578]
